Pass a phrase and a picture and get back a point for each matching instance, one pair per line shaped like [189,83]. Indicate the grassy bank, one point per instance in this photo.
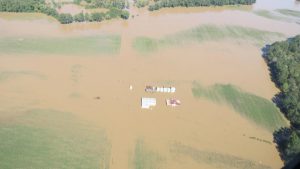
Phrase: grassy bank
[52,139]
[87,45]
[259,110]
[202,34]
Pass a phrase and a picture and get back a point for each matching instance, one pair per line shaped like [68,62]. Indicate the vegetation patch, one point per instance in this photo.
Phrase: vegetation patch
[218,160]
[25,16]
[279,14]
[269,15]
[259,110]
[141,3]
[75,95]
[146,45]
[105,44]
[191,3]
[145,158]
[289,12]
[119,4]
[283,58]
[205,33]
[6,75]
[51,8]
[76,73]
[52,139]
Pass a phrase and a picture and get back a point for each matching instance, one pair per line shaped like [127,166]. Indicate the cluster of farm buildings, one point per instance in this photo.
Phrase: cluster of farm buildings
[147,103]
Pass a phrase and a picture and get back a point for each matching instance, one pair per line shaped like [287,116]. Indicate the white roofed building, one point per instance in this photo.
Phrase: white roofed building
[146,103]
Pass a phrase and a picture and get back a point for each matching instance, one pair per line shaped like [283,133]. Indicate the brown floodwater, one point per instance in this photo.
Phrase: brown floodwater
[197,122]
[277,4]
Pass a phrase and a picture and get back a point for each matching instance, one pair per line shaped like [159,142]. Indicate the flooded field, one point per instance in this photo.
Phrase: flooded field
[65,100]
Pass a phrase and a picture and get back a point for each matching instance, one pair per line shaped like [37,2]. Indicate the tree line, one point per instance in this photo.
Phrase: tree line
[192,3]
[94,17]
[119,4]
[141,3]
[64,18]
[283,59]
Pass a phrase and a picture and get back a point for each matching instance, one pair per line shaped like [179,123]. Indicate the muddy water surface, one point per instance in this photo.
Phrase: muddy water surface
[72,84]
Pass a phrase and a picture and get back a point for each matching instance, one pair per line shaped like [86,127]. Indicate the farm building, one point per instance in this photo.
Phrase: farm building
[148,102]
[173,102]
[160,89]
[150,89]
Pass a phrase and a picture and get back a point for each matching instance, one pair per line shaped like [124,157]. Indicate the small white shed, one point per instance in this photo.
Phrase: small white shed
[148,102]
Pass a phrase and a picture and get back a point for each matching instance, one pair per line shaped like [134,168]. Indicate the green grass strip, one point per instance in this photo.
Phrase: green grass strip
[84,46]
[145,158]
[52,139]
[259,110]
[218,160]
[289,12]
[6,75]
[204,33]
[268,14]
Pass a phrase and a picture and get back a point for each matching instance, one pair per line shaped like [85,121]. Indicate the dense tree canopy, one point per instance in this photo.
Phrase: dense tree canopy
[20,5]
[141,3]
[64,18]
[79,17]
[119,4]
[284,61]
[190,3]
[97,17]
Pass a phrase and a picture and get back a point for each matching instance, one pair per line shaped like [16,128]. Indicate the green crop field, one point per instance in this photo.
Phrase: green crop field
[52,139]
[215,159]
[289,12]
[145,158]
[260,110]
[25,16]
[204,33]
[84,46]
[6,75]
[269,15]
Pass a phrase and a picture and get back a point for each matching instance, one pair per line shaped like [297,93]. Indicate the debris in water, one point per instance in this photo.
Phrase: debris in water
[130,87]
